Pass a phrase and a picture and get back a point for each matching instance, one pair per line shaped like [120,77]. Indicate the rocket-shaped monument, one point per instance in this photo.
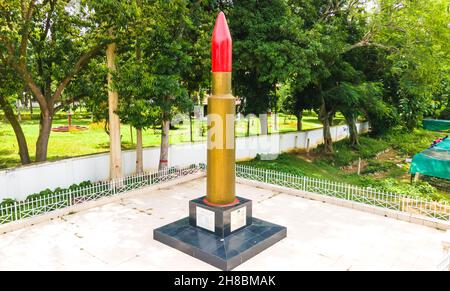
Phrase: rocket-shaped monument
[221,154]
[220,228]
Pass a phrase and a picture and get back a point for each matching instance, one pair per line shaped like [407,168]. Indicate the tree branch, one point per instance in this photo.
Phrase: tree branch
[28,79]
[27,14]
[365,43]
[82,61]
[47,21]
[22,71]
[63,104]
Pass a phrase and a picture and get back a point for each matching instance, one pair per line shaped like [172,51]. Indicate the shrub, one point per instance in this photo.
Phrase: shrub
[418,189]
[47,192]
[445,114]
[376,166]
[7,202]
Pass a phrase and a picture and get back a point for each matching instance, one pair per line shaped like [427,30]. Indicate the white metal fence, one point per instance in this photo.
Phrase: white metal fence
[45,203]
[40,204]
[19,182]
[430,208]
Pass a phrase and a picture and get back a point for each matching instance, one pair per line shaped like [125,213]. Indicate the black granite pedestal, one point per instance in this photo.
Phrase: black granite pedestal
[224,237]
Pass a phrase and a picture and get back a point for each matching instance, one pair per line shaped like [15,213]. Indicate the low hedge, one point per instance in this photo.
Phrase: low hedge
[47,193]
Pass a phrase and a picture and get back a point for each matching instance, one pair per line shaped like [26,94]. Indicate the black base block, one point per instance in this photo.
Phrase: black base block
[221,221]
[224,253]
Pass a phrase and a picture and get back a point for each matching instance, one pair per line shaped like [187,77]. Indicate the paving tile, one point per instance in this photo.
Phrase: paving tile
[320,236]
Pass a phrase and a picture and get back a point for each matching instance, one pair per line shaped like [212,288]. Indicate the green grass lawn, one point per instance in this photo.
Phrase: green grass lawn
[388,172]
[95,140]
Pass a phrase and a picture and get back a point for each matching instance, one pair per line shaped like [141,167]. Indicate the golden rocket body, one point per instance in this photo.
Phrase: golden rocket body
[220,183]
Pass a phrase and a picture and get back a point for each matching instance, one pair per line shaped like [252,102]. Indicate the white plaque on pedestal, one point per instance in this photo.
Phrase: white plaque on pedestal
[238,218]
[205,219]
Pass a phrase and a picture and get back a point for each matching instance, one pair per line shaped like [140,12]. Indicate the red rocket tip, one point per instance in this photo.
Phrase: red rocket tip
[221,46]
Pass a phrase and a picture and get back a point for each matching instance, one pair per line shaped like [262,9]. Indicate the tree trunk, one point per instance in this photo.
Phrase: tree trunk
[131,135]
[164,153]
[45,127]
[299,116]
[327,140]
[139,152]
[331,118]
[21,140]
[114,121]
[353,130]
[275,122]
[19,114]
[31,106]
[263,123]
[191,129]
[324,117]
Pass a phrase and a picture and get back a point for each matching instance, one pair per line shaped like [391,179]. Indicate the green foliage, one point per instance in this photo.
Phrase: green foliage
[150,77]
[392,176]
[388,65]
[7,202]
[266,48]
[418,189]
[367,149]
[9,87]
[90,87]
[49,193]
[445,114]
[417,35]
[296,99]
[410,143]
[134,85]
[377,166]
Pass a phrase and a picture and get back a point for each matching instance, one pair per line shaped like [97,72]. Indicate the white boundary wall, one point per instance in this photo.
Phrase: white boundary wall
[22,181]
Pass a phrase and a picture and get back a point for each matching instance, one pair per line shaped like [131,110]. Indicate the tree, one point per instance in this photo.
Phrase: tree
[46,43]
[90,87]
[297,101]
[114,19]
[137,108]
[334,30]
[266,51]
[163,31]
[197,78]
[417,35]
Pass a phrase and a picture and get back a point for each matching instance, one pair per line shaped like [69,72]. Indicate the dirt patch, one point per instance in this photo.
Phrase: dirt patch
[353,167]
[389,155]
[308,157]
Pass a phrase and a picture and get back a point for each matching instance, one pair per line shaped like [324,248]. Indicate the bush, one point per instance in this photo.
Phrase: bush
[445,114]
[345,154]
[418,189]
[410,143]
[47,192]
[7,202]
[376,166]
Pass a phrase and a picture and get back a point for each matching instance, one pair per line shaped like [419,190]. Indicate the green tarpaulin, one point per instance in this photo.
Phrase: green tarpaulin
[434,162]
[436,124]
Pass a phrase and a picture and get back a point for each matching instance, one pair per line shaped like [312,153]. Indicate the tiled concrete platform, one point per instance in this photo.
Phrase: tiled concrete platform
[119,236]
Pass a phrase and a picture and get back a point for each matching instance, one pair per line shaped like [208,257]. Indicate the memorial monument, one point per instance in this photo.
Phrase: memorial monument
[220,228]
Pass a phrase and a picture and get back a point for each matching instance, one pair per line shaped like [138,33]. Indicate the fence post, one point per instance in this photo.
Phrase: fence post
[70,198]
[15,211]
